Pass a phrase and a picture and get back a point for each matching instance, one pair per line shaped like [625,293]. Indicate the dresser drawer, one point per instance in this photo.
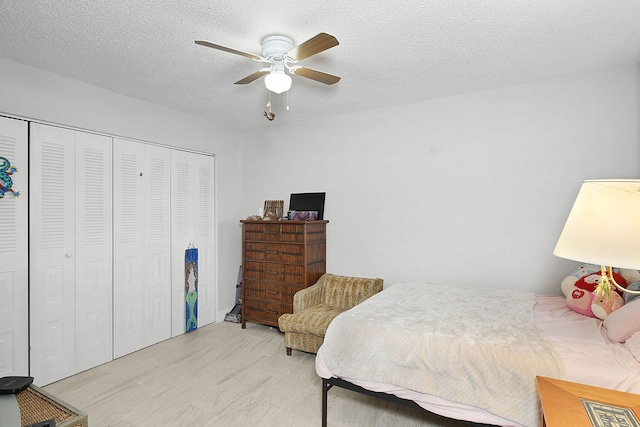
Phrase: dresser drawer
[252,289]
[262,232]
[282,293]
[263,271]
[274,252]
[255,251]
[274,292]
[272,232]
[273,272]
[290,254]
[268,291]
[264,311]
[253,231]
[292,233]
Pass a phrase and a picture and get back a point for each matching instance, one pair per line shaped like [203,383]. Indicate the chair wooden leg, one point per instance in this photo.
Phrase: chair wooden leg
[288,351]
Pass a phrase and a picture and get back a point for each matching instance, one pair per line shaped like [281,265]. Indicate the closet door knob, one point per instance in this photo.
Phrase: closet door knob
[68,254]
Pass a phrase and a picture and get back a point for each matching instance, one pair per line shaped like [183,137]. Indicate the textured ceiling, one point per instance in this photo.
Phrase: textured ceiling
[390,52]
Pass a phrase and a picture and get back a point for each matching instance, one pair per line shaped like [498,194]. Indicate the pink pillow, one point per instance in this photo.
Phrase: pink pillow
[623,322]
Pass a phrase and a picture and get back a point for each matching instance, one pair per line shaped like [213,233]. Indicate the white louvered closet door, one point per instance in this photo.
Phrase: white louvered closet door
[52,253]
[142,245]
[157,305]
[93,247]
[128,247]
[14,310]
[192,222]
[70,252]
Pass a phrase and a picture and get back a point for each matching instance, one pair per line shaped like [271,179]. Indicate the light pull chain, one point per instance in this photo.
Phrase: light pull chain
[270,115]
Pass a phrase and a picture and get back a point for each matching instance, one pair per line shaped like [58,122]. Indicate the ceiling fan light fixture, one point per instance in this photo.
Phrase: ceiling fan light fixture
[279,52]
[277,82]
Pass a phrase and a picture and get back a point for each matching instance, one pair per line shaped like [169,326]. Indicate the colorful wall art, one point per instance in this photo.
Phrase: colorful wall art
[6,182]
[191,288]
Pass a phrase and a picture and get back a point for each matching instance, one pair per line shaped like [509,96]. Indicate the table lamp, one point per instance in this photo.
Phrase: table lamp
[603,228]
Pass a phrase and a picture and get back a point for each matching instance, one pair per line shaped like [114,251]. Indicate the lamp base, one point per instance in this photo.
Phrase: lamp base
[607,283]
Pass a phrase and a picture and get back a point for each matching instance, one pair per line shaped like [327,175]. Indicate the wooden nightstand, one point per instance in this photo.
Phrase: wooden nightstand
[563,404]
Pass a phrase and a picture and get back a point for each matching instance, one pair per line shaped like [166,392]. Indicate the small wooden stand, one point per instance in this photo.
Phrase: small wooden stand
[571,404]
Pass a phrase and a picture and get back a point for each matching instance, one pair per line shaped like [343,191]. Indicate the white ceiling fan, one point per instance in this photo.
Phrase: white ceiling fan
[279,53]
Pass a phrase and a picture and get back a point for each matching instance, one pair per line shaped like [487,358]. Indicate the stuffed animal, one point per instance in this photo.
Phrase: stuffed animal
[630,275]
[605,305]
[584,270]
[581,298]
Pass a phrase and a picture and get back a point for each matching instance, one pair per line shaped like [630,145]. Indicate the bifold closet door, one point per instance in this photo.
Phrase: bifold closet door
[70,260]
[142,265]
[192,219]
[94,251]
[128,247]
[14,310]
[52,262]
[157,303]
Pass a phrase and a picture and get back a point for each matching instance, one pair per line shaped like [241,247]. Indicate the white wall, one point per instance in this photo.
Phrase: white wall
[470,189]
[35,94]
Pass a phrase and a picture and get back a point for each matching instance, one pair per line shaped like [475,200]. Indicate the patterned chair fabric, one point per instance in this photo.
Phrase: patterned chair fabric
[316,306]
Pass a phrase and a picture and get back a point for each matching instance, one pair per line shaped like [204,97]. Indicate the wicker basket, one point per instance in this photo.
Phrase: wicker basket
[274,208]
[36,405]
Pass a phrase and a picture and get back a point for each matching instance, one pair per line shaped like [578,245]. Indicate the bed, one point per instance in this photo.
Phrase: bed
[473,354]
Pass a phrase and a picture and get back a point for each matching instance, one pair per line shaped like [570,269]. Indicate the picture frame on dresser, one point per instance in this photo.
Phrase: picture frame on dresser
[279,258]
[308,202]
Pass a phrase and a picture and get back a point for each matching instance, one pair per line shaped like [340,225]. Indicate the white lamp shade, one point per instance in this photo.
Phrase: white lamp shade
[277,82]
[603,227]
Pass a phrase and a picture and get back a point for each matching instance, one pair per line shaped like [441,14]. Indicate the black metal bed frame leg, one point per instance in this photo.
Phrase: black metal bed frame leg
[330,382]
[325,388]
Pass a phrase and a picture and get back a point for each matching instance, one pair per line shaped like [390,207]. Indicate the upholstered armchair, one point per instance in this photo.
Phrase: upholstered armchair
[316,306]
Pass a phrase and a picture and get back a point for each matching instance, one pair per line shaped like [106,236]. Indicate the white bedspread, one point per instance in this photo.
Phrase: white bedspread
[476,347]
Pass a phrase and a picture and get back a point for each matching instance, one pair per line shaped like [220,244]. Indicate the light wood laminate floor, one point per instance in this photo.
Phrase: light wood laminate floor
[222,375]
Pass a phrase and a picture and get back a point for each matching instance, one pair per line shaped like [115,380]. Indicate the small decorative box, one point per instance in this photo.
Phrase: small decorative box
[303,215]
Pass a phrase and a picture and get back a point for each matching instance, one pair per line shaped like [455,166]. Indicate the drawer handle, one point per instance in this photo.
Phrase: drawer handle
[273,292]
[272,232]
[272,272]
[272,252]
[272,312]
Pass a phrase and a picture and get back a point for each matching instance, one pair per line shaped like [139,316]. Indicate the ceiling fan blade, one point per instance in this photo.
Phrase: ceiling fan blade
[228,49]
[317,44]
[316,75]
[251,77]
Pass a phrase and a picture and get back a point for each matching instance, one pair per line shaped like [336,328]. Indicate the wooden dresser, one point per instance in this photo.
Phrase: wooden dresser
[278,259]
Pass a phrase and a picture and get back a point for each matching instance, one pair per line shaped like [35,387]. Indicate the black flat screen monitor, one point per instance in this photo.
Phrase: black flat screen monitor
[307,202]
